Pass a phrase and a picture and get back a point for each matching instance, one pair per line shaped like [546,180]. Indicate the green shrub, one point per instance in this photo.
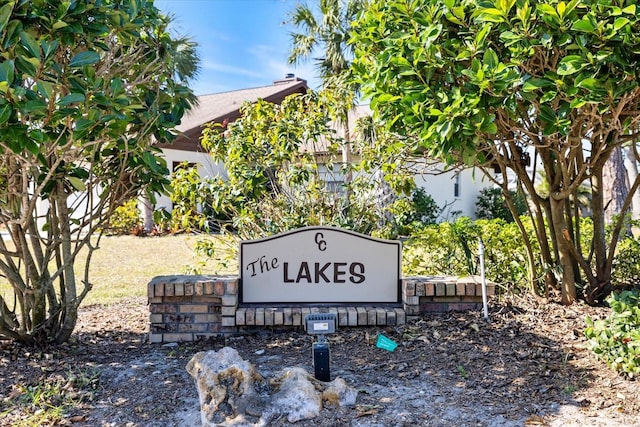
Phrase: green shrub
[126,219]
[626,264]
[412,213]
[504,251]
[188,194]
[452,249]
[425,209]
[441,249]
[616,339]
[491,204]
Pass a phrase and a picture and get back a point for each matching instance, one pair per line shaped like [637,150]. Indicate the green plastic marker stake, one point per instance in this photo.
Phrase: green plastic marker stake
[386,343]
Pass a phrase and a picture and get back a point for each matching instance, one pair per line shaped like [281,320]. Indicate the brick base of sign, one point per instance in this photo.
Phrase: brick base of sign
[188,308]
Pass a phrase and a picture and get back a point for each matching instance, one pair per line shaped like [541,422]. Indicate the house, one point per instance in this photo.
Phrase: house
[457,191]
[218,108]
[225,106]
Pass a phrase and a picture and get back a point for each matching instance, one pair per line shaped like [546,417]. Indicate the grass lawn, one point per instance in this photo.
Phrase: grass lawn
[123,265]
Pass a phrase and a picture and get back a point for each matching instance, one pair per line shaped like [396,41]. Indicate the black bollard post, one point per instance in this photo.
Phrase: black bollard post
[321,369]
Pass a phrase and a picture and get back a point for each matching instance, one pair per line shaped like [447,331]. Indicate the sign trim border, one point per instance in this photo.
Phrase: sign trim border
[396,243]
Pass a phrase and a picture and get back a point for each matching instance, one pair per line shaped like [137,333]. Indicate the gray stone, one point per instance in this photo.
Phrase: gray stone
[338,393]
[233,393]
[226,387]
[295,396]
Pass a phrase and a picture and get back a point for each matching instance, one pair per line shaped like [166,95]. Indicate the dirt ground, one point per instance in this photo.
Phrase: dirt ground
[526,366]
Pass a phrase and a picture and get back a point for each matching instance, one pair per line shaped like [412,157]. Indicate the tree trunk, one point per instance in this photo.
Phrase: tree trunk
[614,185]
[572,229]
[527,242]
[69,298]
[561,235]
[602,273]
[536,208]
[631,167]
[147,213]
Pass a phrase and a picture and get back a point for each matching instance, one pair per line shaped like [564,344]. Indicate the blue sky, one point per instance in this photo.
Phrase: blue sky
[242,43]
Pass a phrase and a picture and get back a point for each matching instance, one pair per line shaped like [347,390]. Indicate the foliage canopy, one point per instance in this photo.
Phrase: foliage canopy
[85,86]
[279,162]
[493,83]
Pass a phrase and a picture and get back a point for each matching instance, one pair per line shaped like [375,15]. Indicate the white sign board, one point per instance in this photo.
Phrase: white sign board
[320,265]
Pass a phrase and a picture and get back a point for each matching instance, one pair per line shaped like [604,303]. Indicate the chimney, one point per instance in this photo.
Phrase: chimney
[288,78]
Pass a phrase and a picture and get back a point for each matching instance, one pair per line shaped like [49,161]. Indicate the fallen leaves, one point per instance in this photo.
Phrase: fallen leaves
[535,420]
[365,410]
[523,365]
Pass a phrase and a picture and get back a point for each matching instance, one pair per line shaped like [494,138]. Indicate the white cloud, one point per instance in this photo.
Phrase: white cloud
[229,69]
[274,63]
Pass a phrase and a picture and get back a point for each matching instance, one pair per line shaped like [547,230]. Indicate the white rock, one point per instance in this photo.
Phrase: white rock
[296,396]
[226,387]
[339,393]
[233,393]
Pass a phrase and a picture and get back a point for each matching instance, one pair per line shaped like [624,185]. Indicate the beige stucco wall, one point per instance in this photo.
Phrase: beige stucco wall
[442,186]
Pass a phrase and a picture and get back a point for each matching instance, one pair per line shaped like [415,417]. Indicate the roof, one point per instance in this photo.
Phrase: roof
[219,107]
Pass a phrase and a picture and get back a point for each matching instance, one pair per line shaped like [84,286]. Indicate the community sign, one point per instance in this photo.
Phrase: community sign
[320,265]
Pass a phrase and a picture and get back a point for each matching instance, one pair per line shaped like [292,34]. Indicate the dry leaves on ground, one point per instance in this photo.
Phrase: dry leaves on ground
[528,365]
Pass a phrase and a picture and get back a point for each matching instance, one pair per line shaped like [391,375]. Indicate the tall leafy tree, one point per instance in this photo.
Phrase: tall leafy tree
[85,88]
[274,180]
[493,82]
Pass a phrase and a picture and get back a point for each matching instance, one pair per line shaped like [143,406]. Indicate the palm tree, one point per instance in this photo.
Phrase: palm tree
[181,56]
[327,29]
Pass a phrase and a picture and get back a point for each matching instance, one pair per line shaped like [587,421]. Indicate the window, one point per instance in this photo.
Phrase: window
[336,187]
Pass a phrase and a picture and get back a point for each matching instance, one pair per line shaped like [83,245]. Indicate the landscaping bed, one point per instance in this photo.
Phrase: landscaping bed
[527,366]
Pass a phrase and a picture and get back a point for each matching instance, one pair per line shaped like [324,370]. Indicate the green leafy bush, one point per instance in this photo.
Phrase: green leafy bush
[504,252]
[189,193]
[431,251]
[126,219]
[441,249]
[452,249]
[616,339]
[626,264]
[273,180]
[492,204]
[412,213]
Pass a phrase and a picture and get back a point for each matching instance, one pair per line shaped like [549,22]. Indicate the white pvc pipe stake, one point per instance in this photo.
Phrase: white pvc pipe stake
[485,307]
